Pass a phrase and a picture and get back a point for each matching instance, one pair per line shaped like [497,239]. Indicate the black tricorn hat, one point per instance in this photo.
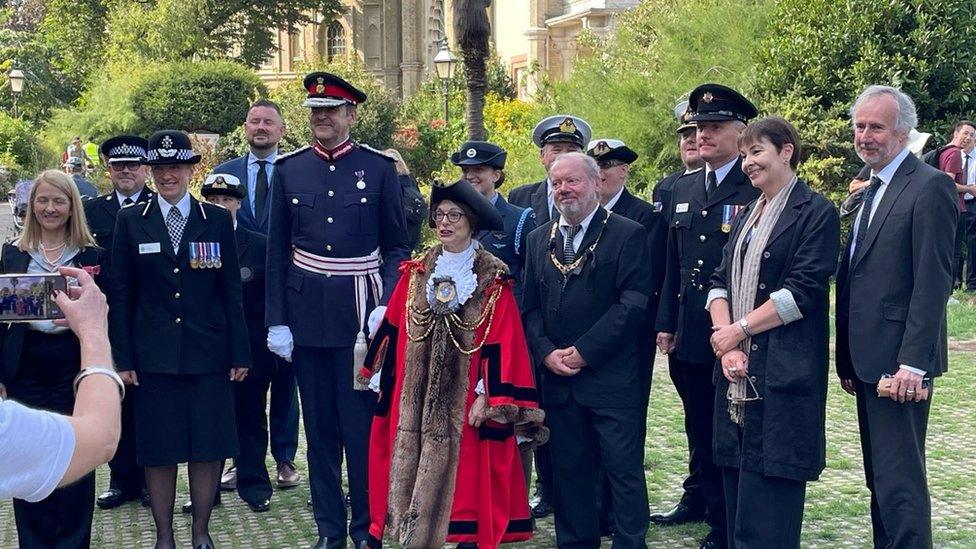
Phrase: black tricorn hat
[715,102]
[463,192]
[124,148]
[170,147]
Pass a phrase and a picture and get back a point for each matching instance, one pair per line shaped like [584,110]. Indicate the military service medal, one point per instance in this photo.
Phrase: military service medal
[360,184]
[728,214]
[216,262]
[194,255]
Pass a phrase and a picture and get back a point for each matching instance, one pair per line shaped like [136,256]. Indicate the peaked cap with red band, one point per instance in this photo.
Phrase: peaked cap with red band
[328,90]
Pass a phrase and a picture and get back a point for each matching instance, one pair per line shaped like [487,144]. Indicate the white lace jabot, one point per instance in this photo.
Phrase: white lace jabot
[459,267]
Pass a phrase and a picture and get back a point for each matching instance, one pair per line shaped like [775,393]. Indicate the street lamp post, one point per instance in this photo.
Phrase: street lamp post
[445,62]
[16,77]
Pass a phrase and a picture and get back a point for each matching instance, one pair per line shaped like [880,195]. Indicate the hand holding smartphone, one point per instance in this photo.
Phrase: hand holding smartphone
[28,297]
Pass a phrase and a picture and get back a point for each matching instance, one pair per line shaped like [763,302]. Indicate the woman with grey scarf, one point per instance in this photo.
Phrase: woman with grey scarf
[769,304]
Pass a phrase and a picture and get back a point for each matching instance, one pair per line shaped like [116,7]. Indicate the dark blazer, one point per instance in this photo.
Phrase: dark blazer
[12,260]
[786,437]
[901,275]
[599,310]
[101,214]
[251,251]
[533,195]
[246,215]
[509,244]
[664,191]
[187,320]
[656,227]
[695,241]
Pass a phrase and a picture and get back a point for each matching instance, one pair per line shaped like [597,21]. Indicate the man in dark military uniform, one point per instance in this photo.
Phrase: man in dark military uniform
[554,135]
[482,164]
[703,206]
[336,239]
[251,395]
[124,155]
[691,507]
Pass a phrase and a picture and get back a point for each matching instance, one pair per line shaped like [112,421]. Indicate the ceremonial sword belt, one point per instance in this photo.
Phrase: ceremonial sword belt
[365,271]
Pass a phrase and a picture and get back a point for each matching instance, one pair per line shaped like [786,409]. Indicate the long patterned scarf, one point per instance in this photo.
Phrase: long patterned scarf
[745,275]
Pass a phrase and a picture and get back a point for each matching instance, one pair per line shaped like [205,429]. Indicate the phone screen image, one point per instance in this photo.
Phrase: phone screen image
[25,297]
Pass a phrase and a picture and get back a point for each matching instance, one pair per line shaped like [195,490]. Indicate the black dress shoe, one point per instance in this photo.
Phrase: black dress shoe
[680,514]
[188,506]
[111,498]
[542,509]
[331,543]
[260,506]
[712,541]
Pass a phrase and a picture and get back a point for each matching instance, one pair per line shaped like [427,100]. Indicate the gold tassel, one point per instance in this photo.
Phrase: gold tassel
[358,358]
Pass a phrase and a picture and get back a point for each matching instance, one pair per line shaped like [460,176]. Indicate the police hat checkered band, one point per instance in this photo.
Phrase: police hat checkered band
[178,154]
[126,152]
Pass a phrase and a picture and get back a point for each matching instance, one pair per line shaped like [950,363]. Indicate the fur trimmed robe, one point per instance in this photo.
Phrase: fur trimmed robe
[433,478]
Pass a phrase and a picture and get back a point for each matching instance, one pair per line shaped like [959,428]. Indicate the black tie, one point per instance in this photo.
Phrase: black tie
[865,220]
[127,202]
[260,191]
[965,169]
[569,254]
[711,183]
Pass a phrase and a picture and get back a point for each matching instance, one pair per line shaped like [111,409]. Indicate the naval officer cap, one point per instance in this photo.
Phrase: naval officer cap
[328,90]
[222,184]
[480,153]
[684,114]
[610,149]
[716,103]
[562,128]
[170,147]
[463,193]
[124,148]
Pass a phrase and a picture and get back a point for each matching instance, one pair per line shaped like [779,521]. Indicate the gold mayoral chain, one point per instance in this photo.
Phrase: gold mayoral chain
[580,258]
[427,319]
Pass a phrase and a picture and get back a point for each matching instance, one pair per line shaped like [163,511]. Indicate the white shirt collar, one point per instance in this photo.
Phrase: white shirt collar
[613,200]
[183,205]
[721,171]
[251,159]
[121,197]
[888,171]
[494,198]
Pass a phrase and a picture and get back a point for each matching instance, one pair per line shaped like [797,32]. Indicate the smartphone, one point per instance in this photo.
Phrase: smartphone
[27,297]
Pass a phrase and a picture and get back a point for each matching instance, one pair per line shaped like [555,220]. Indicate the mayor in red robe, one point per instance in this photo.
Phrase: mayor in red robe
[456,392]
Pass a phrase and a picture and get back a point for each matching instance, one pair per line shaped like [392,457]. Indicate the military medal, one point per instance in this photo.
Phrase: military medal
[728,214]
[216,262]
[207,258]
[360,184]
[194,255]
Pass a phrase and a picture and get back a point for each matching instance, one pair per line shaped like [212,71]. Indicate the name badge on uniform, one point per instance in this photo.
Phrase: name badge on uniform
[681,208]
[205,255]
[729,212]
[149,248]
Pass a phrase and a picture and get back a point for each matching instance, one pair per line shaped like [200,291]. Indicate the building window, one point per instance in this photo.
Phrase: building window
[335,41]
[296,46]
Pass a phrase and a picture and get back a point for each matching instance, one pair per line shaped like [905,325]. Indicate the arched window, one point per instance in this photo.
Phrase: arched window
[336,41]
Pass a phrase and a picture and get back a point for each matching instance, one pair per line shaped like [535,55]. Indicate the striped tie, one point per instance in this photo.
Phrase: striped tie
[569,254]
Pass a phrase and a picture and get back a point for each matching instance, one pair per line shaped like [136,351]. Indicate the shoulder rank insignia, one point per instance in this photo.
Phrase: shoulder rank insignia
[289,154]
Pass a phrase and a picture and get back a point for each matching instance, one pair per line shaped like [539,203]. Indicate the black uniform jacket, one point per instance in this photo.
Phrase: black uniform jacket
[891,297]
[12,260]
[509,244]
[664,191]
[251,251]
[533,195]
[783,435]
[101,213]
[656,227]
[695,241]
[599,310]
[173,318]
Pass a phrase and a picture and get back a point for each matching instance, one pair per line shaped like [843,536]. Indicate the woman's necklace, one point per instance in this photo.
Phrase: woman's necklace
[47,251]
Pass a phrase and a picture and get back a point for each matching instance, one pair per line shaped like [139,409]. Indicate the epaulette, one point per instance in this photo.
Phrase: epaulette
[289,154]
[378,152]
[526,214]
[145,211]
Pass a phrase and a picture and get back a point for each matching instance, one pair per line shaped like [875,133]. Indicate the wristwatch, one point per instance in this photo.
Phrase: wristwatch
[744,324]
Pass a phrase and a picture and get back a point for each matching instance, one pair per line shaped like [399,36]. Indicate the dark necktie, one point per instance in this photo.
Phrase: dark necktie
[127,202]
[569,254]
[711,183]
[865,220]
[260,191]
[965,169]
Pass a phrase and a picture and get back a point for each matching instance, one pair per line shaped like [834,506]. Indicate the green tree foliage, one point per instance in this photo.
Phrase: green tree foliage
[817,55]
[195,96]
[19,150]
[627,86]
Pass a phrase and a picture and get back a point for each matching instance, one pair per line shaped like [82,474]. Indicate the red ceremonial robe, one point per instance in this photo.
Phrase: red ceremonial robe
[455,483]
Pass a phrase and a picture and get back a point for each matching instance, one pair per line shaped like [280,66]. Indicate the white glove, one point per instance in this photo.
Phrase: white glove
[374,381]
[280,341]
[373,322]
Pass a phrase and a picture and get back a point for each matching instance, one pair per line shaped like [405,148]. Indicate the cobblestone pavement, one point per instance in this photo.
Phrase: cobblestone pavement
[836,511]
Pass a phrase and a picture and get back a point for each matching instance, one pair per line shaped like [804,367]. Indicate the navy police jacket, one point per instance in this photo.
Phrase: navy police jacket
[186,319]
[509,245]
[342,204]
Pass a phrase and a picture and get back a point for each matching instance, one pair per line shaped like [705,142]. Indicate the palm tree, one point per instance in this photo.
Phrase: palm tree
[471,28]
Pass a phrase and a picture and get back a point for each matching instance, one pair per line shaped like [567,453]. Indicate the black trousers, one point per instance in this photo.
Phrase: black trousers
[62,520]
[960,247]
[250,405]
[703,486]
[126,475]
[970,216]
[284,412]
[543,469]
[337,417]
[762,511]
[581,437]
[893,446]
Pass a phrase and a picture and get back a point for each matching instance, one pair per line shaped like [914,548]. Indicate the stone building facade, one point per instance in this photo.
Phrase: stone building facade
[397,39]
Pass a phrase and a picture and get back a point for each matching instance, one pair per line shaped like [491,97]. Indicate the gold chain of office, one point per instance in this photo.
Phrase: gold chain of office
[427,320]
[566,269]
